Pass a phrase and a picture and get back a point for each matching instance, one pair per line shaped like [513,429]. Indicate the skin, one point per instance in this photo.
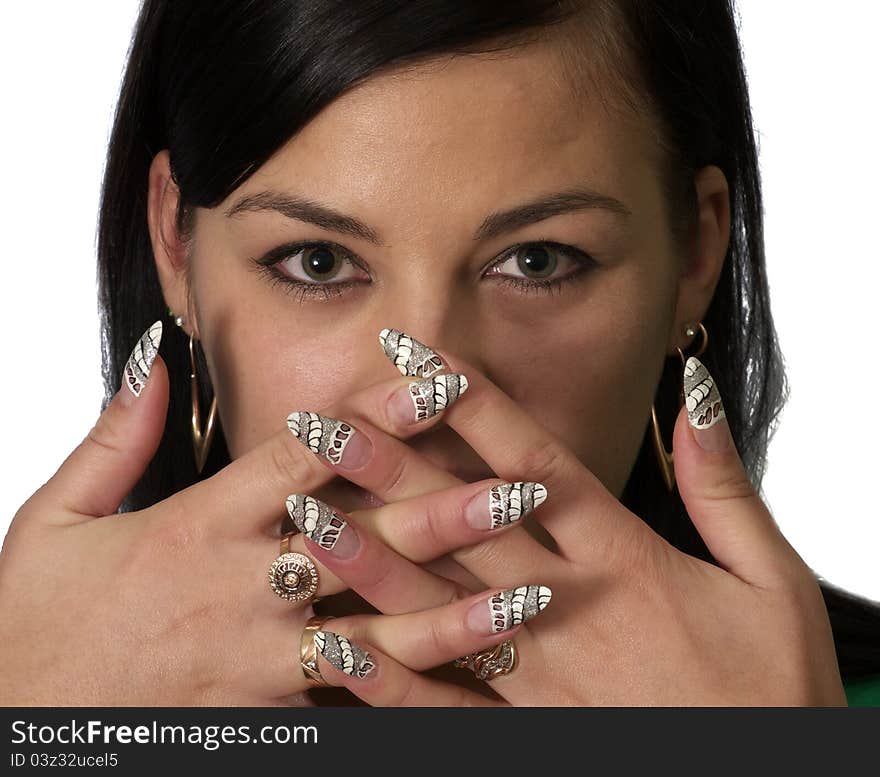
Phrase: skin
[660,627]
[423,158]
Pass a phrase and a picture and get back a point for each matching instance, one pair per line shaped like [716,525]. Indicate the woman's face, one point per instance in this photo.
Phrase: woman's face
[427,161]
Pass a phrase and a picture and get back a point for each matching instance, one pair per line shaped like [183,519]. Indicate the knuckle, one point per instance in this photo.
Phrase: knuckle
[105,435]
[797,582]
[542,462]
[438,640]
[289,459]
[405,693]
[730,483]
[395,476]
[174,529]
[355,627]
[432,531]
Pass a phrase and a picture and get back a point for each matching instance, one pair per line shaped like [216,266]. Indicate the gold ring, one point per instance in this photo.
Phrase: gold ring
[308,654]
[293,576]
[491,662]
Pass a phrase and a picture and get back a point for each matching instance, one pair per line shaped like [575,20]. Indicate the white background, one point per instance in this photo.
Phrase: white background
[813,77]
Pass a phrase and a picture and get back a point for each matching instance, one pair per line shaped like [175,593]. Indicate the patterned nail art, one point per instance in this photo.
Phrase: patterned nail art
[517,605]
[433,395]
[703,401]
[509,502]
[344,654]
[137,368]
[409,355]
[322,435]
[316,519]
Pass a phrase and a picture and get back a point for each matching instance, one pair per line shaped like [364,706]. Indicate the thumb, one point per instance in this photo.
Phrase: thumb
[102,470]
[726,510]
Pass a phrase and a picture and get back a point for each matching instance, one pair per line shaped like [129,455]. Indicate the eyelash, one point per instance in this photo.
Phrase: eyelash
[267,265]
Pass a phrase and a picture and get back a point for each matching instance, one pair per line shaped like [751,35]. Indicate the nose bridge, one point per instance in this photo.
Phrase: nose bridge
[433,302]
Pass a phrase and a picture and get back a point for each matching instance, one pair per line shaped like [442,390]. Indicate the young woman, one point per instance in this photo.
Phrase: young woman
[447,277]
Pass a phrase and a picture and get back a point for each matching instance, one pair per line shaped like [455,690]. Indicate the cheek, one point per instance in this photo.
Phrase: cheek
[264,367]
[588,373]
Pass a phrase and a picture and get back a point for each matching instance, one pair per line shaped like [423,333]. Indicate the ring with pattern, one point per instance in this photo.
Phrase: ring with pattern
[293,576]
[491,662]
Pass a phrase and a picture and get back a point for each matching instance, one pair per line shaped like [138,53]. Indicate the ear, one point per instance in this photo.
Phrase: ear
[707,248]
[169,248]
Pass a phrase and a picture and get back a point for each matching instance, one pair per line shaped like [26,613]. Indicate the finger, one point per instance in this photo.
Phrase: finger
[265,659]
[734,523]
[381,681]
[460,520]
[102,470]
[429,525]
[349,552]
[316,447]
[436,636]
[367,565]
[518,448]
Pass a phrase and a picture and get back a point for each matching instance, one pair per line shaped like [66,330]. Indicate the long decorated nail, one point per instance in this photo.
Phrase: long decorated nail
[704,407]
[137,368]
[506,609]
[507,504]
[345,655]
[337,441]
[322,524]
[424,398]
[409,355]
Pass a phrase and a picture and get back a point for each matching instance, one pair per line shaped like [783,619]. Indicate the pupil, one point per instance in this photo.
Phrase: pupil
[319,263]
[537,261]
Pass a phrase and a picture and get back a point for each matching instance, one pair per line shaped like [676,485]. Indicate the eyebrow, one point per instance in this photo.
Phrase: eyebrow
[495,224]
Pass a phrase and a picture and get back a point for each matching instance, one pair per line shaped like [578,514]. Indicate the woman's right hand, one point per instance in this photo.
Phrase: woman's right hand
[170,605]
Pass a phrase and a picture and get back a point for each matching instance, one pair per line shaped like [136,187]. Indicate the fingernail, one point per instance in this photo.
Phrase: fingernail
[140,362]
[507,503]
[345,655]
[424,398]
[507,609]
[323,525]
[704,408]
[337,441]
[409,355]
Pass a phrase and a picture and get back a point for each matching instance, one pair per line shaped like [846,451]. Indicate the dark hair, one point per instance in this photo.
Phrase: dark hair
[223,84]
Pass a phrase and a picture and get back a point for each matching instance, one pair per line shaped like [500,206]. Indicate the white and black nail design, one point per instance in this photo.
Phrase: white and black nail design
[433,395]
[316,519]
[409,355]
[345,655]
[509,502]
[517,605]
[137,368]
[704,406]
[321,434]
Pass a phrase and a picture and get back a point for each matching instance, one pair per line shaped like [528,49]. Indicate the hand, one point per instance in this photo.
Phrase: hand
[170,605]
[633,621]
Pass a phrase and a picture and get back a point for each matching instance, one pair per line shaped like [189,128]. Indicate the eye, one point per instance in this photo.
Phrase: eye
[318,263]
[312,269]
[541,264]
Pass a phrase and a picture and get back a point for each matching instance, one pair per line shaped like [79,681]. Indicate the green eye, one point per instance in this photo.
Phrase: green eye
[541,265]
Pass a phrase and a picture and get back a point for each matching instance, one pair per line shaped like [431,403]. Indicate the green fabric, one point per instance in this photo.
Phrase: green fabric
[865,693]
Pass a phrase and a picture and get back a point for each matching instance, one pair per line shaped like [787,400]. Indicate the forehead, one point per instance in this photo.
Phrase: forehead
[464,132]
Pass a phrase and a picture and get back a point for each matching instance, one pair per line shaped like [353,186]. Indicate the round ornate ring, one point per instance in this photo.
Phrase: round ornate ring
[293,576]
[491,662]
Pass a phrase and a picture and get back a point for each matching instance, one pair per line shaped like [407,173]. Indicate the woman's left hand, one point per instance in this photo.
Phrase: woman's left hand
[633,621]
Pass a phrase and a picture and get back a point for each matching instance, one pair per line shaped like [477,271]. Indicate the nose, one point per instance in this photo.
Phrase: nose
[438,310]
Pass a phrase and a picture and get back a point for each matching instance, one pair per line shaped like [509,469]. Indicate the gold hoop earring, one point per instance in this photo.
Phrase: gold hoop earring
[201,437]
[664,457]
